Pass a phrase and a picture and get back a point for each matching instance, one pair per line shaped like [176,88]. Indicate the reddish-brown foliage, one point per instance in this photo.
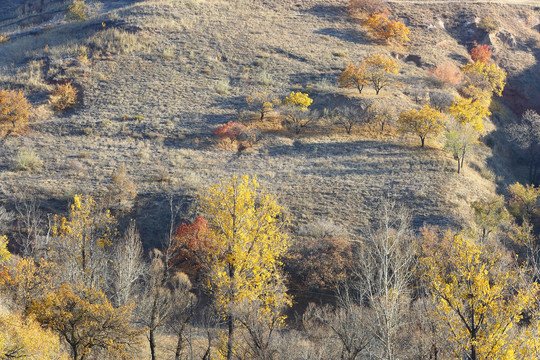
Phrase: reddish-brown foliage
[481,53]
[448,74]
[231,130]
[191,247]
[320,264]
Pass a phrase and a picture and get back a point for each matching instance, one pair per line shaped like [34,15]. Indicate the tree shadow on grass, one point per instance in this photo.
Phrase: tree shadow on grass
[348,35]
[335,13]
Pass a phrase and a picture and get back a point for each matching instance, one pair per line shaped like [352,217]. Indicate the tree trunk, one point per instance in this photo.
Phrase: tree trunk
[422,139]
[179,346]
[360,88]
[230,340]
[382,127]
[458,166]
[74,351]
[262,115]
[151,338]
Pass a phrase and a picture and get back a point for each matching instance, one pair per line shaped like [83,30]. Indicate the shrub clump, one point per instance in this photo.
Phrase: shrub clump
[63,97]
[27,160]
[78,11]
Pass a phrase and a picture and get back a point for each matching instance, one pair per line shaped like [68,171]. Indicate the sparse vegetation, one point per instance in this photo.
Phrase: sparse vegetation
[27,160]
[63,97]
[135,210]
[77,11]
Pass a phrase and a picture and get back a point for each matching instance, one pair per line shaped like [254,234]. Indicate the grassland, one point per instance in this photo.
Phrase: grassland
[163,74]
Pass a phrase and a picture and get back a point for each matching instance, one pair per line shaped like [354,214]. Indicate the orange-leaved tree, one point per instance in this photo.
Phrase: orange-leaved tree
[246,227]
[379,70]
[14,108]
[424,122]
[481,53]
[353,76]
[386,29]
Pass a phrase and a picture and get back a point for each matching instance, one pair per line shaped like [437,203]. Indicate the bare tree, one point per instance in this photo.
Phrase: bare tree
[348,117]
[384,276]
[526,135]
[345,324]
[30,225]
[296,119]
[129,266]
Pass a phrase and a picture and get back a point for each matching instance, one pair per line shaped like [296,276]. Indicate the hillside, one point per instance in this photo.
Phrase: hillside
[151,96]
[373,247]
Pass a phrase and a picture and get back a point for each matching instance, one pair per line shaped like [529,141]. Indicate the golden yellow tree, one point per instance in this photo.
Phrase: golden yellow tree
[489,77]
[423,122]
[23,338]
[247,235]
[14,108]
[479,302]
[353,76]
[470,111]
[379,69]
[86,321]
[299,100]
[524,201]
[81,239]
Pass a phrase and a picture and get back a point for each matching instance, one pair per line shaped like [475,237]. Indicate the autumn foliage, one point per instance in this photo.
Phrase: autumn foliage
[446,73]
[386,29]
[423,122]
[261,101]
[14,108]
[353,76]
[192,247]
[487,77]
[63,97]
[380,69]
[231,130]
[481,53]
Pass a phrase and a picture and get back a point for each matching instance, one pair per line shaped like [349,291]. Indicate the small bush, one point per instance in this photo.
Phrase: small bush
[447,74]
[27,160]
[387,30]
[488,24]
[232,130]
[367,8]
[223,87]
[78,11]
[123,189]
[3,39]
[63,97]
[481,53]
[266,79]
